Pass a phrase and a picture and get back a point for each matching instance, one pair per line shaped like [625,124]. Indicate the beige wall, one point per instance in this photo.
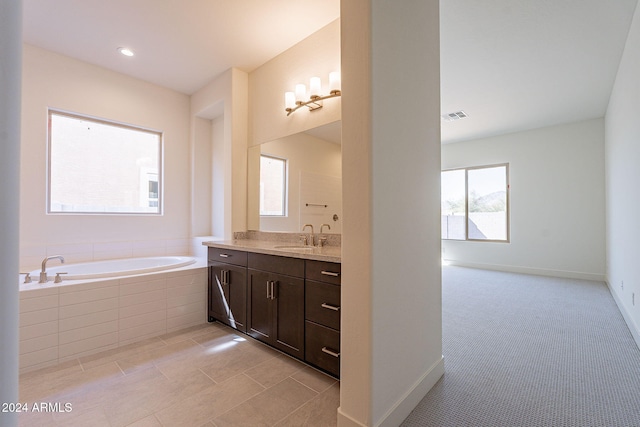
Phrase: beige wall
[53,80]
[391,347]
[317,55]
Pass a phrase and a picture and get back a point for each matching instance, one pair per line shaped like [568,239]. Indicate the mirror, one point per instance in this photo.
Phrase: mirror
[312,190]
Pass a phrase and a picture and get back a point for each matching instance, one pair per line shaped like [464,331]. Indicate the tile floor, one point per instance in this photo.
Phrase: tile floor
[206,376]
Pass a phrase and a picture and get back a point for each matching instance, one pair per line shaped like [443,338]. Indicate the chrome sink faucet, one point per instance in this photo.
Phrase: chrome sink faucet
[323,239]
[43,272]
[311,240]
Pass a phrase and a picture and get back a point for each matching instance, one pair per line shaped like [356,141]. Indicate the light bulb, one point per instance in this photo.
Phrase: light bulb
[301,93]
[315,87]
[289,100]
[334,82]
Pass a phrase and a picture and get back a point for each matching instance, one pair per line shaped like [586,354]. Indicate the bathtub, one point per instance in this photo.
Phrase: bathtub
[113,268]
[108,304]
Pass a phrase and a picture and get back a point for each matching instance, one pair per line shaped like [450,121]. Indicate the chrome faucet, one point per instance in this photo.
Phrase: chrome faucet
[311,242]
[43,272]
[323,239]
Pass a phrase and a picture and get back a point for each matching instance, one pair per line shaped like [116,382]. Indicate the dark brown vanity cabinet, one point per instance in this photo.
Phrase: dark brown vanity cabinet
[276,303]
[322,315]
[228,287]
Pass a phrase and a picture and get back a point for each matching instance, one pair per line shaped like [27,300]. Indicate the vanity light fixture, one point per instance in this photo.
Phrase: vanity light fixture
[125,51]
[297,99]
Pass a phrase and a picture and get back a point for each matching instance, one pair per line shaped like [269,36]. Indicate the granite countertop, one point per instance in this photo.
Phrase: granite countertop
[270,247]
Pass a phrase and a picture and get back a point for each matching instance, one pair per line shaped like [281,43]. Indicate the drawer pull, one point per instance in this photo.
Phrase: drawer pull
[330,273]
[224,255]
[329,306]
[330,352]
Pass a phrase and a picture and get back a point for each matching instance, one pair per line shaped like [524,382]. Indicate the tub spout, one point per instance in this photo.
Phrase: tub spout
[43,272]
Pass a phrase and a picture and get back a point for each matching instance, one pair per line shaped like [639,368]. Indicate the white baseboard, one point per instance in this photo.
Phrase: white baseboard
[633,328]
[405,404]
[529,270]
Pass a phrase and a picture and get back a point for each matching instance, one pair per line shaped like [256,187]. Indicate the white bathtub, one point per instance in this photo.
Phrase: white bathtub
[113,268]
[109,304]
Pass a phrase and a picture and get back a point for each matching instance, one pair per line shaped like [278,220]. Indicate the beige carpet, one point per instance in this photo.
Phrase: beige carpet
[525,350]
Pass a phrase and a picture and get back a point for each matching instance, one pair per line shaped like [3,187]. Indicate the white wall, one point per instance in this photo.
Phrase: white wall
[622,149]
[391,342]
[224,103]
[557,214]
[53,80]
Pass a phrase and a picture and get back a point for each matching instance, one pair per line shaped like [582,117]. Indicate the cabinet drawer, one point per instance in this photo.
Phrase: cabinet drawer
[228,256]
[322,303]
[322,271]
[277,264]
[322,347]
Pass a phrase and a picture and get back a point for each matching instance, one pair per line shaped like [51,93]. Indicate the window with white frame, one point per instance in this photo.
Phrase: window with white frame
[101,167]
[273,186]
[475,203]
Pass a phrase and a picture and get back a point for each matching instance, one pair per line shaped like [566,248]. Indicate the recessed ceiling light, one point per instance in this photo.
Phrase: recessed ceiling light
[125,51]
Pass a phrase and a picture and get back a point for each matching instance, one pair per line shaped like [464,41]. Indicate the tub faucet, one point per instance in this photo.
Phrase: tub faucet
[311,242]
[43,273]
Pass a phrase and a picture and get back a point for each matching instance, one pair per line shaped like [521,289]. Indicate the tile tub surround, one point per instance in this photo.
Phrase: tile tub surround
[78,318]
[267,243]
[206,375]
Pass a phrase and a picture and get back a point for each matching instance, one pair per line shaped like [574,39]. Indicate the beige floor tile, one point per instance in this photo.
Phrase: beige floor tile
[91,418]
[274,370]
[231,362]
[137,396]
[212,402]
[154,356]
[209,376]
[67,382]
[150,421]
[215,335]
[120,353]
[321,411]
[314,379]
[31,419]
[268,407]
[187,333]
[189,385]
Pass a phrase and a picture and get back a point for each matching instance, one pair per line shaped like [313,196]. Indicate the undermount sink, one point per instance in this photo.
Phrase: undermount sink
[303,248]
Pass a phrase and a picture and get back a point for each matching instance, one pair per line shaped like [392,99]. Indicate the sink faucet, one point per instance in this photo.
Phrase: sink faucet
[43,273]
[323,239]
[311,242]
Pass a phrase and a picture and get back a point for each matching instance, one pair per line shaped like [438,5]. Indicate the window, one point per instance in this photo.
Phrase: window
[475,203]
[100,167]
[273,186]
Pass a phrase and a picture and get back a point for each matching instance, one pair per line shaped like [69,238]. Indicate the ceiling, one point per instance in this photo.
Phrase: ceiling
[510,65]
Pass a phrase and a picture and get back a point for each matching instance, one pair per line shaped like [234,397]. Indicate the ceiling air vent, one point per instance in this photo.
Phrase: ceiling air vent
[452,117]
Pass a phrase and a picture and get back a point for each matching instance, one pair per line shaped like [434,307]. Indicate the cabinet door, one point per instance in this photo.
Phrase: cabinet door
[218,303]
[228,295]
[259,307]
[236,293]
[288,315]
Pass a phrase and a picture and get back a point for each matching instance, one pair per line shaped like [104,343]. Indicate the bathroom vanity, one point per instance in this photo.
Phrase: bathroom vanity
[285,296]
